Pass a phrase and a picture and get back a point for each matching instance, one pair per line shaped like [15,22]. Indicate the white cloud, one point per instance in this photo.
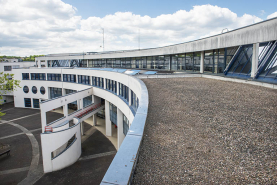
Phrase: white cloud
[43,27]
[272,15]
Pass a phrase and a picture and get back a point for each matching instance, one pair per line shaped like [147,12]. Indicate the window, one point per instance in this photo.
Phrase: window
[69,78]
[53,77]
[55,92]
[82,79]
[37,76]
[125,125]
[69,91]
[25,76]
[42,90]
[36,103]
[26,89]
[87,101]
[7,68]
[27,102]
[34,89]
[113,114]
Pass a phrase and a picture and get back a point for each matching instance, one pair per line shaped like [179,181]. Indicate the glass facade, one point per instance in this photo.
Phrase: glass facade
[111,85]
[97,82]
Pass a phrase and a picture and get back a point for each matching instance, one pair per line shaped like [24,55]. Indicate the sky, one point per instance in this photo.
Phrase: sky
[35,27]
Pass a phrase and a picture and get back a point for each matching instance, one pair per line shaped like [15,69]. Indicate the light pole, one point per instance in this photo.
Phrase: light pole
[103,38]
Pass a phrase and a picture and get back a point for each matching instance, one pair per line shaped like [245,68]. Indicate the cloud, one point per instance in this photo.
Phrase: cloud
[52,26]
[272,15]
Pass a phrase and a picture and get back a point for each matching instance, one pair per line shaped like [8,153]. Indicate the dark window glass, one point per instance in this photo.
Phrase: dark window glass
[55,92]
[34,89]
[36,103]
[125,125]
[25,76]
[7,68]
[42,90]
[27,102]
[26,89]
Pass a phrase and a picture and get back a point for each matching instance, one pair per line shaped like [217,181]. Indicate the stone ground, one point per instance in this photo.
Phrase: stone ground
[21,129]
[204,131]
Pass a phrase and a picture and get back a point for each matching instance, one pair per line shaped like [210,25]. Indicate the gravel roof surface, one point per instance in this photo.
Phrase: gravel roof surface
[204,131]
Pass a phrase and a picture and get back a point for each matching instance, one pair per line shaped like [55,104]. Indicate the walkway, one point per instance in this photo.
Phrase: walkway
[202,131]
[21,129]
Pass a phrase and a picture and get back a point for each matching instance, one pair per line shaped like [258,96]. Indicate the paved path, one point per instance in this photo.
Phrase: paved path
[21,129]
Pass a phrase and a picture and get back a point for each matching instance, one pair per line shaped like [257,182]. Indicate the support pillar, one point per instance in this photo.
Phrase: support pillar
[39,64]
[120,134]
[202,62]
[65,110]
[107,119]
[255,59]
[94,120]
[43,121]
[118,88]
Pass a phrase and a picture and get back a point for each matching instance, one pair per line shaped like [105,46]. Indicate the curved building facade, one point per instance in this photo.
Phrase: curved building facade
[82,84]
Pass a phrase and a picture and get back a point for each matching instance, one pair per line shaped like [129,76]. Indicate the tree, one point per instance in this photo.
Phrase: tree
[7,84]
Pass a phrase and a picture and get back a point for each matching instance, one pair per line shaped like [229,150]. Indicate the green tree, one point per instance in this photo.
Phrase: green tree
[7,84]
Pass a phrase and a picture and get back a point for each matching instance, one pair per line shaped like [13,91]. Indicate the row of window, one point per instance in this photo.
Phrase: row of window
[34,90]
[215,61]
[111,85]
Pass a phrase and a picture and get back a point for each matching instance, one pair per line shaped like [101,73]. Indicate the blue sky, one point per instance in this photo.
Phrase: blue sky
[153,8]
[64,26]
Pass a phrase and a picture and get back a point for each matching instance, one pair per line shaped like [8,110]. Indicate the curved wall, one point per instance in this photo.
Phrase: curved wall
[128,151]
[256,33]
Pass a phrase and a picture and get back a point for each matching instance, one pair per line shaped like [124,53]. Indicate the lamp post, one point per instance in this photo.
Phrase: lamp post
[103,38]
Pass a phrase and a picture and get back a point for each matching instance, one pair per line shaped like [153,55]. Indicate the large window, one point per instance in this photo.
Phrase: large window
[69,78]
[87,101]
[37,76]
[36,103]
[55,92]
[25,76]
[53,77]
[27,102]
[82,79]
[113,114]
[69,91]
[7,68]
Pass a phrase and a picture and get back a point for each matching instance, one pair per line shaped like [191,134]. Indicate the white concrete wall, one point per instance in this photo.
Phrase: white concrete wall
[51,141]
